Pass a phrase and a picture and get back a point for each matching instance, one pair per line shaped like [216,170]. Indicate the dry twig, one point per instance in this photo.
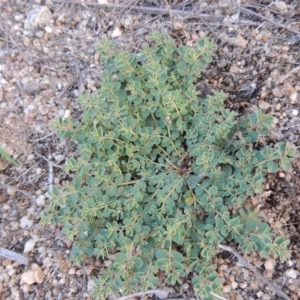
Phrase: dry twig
[284,77]
[19,258]
[248,11]
[255,272]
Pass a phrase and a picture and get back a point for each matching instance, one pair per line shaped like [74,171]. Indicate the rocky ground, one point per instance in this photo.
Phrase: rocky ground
[48,58]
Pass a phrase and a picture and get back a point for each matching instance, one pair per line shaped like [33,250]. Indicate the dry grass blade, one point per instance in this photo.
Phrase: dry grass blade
[269,20]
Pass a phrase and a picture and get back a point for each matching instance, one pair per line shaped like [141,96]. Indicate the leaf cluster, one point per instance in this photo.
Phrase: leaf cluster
[163,174]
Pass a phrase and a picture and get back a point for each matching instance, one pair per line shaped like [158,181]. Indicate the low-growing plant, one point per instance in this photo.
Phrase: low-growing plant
[163,174]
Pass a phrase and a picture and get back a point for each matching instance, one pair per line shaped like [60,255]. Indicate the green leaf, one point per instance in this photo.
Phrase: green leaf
[285,164]
[272,167]
[120,257]
[138,262]
[177,256]
[162,254]
[5,155]
[162,262]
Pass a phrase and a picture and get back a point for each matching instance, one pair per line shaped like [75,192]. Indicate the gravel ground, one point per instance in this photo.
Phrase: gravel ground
[48,58]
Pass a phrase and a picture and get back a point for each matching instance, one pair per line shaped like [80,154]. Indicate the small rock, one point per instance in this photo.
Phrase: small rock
[259,294]
[263,105]
[59,157]
[34,275]
[26,41]
[26,288]
[287,89]
[11,191]
[275,74]
[30,157]
[239,41]
[29,246]
[226,288]
[243,285]
[36,18]
[116,33]
[185,286]
[28,278]
[281,5]
[290,263]
[3,199]
[281,175]
[293,97]
[234,69]
[269,265]
[19,18]
[239,297]
[295,112]
[40,200]
[1,288]
[277,93]
[254,286]
[48,29]
[26,221]
[234,285]
[291,273]
[67,114]
[32,88]
[43,110]
[177,25]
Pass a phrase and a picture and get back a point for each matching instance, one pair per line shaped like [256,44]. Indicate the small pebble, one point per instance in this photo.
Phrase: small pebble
[263,105]
[259,294]
[295,112]
[30,157]
[29,246]
[243,285]
[226,289]
[59,157]
[293,97]
[291,273]
[40,200]
[254,286]
[177,25]
[11,191]
[287,89]
[234,285]
[116,33]
[269,265]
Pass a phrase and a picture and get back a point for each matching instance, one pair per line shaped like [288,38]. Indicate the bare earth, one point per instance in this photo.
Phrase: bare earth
[48,58]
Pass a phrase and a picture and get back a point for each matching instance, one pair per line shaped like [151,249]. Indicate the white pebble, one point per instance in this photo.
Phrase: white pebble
[11,191]
[259,294]
[26,221]
[295,112]
[39,171]
[48,29]
[291,273]
[269,265]
[67,114]
[263,105]
[226,288]
[293,97]
[30,157]
[40,201]
[29,246]
[116,32]
[234,285]
[59,157]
